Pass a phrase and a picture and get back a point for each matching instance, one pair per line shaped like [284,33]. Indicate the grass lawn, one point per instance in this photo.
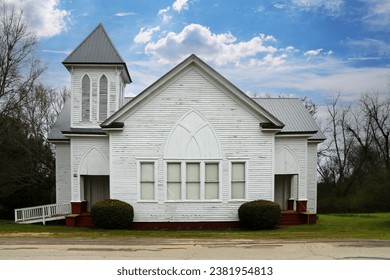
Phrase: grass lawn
[356,226]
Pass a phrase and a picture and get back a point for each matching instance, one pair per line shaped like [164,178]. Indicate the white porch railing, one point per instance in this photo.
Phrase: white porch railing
[42,213]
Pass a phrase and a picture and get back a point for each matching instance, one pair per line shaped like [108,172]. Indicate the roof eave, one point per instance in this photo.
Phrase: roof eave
[127,77]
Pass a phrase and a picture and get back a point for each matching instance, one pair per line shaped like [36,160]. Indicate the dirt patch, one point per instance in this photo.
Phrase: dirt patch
[26,234]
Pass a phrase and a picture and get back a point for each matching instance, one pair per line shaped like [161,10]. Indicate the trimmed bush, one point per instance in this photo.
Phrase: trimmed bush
[112,214]
[259,214]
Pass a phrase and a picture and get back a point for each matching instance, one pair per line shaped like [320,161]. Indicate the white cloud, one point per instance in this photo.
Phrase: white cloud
[145,35]
[124,14]
[67,52]
[269,61]
[330,7]
[378,14]
[313,52]
[369,47]
[164,13]
[279,6]
[302,77]
[218,48]
[179,5]
[44,17]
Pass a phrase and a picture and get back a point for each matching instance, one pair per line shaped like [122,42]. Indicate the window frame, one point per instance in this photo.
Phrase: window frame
[245,162]
[202,175]
[139,180]
[89,98]
[98,98]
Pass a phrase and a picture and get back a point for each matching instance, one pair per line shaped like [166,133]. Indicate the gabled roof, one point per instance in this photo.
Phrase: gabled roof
[194,61]
[293,114]
[96,48]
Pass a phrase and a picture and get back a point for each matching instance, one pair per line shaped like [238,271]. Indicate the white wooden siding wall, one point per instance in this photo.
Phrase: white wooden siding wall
[298,146]
[80,146]
[94,74]
[63,173]
[146,132]
[312,177]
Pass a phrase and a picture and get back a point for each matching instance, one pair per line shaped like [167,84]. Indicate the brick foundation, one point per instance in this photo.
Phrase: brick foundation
[79,207]
[301,206]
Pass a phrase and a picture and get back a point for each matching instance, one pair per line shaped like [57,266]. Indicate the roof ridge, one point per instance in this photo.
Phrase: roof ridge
[277,98]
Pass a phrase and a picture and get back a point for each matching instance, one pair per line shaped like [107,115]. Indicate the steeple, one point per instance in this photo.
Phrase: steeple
[97,49]
[98,78]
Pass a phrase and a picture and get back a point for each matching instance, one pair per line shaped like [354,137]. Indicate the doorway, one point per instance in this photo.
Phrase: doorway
[283,190]
[96,188]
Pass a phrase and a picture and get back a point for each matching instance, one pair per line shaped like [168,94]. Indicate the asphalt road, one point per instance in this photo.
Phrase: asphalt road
[190,249]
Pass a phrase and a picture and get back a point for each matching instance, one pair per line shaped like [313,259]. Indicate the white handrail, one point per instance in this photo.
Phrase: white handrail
[42,212]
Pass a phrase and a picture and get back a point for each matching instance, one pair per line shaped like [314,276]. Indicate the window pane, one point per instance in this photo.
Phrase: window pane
[174,191]
[85,95]
[147,172]
[147,190]
[211,190]
[238,171]
[103,98]
[192,191]
[212,172]
[174,174]
[193,172]
[238,190]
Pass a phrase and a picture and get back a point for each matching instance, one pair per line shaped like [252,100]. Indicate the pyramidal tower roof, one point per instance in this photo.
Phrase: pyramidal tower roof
[96,48]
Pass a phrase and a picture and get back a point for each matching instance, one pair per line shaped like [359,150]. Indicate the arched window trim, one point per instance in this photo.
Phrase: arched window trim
[98,98]
[90,98]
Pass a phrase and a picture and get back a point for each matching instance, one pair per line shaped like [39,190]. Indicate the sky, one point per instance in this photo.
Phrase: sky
[297,48]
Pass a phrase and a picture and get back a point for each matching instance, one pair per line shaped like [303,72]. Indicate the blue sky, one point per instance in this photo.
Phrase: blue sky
[314,48]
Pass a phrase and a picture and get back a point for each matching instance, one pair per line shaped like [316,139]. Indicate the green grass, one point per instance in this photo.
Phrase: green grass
[340,226]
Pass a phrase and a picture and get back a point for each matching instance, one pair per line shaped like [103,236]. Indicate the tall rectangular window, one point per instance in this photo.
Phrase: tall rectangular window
[147,180]
[211,183]
[103,96]
[193,181]
[238,180]
[85,98]
[174,181]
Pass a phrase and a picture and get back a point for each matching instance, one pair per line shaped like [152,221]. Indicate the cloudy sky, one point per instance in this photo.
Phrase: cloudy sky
[314,48]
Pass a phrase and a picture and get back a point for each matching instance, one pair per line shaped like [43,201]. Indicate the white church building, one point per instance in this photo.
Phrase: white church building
[188,150]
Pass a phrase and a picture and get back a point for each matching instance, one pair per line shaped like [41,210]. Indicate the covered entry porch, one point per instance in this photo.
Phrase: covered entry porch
[92,183]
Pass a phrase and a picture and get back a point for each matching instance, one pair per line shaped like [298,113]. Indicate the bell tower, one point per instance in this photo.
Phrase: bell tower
[99,76]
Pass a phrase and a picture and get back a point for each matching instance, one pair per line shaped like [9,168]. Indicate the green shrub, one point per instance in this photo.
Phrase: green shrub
[112,214]
[259,214]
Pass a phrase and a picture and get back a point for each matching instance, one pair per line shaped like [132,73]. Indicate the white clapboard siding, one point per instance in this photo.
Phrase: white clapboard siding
[80,147]
[94,75]
[298,147]
[147,131]
[63,173]
[312,177]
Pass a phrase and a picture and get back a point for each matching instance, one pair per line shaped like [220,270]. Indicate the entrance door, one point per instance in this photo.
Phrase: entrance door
[283,190]
[96,188]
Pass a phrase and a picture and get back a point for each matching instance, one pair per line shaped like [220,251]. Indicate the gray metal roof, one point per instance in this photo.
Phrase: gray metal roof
[289,110]
[96,48]
[293,114]
[62,123]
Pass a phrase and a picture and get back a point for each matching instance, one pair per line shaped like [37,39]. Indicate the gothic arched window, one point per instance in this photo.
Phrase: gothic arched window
[103,93]
[85,96]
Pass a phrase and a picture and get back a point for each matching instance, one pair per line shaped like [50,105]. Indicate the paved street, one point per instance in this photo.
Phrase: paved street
[191,249]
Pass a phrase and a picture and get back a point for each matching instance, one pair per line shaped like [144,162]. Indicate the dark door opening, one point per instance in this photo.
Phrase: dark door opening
[96,188]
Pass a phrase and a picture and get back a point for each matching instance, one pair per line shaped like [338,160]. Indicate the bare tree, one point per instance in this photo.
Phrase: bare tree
[19,68]
[335,165]
[377,112]
[42,109]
